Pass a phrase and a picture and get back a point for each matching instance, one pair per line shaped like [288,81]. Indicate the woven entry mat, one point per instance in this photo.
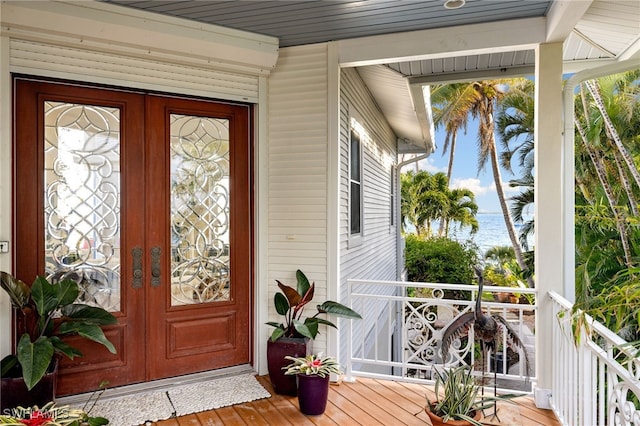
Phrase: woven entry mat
[134,410]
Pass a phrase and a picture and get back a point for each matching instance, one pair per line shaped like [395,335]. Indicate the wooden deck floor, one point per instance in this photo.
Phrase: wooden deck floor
[365,402]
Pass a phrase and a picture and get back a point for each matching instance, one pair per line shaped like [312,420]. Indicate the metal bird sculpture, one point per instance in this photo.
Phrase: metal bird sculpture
[489,329]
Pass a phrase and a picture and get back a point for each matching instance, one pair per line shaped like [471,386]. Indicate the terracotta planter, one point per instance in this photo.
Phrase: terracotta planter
[276,351]
[437,421]
[14,393]
[313,392]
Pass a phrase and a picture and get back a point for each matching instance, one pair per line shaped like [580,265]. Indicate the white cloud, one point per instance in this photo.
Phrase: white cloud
[428,165]
[510,190]
[474,185]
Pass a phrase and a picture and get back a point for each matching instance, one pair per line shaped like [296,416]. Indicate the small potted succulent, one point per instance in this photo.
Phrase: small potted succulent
[459,404]
[45,313]
[292,334]
[313,373]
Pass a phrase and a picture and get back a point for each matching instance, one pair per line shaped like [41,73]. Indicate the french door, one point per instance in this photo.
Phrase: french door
[145,201]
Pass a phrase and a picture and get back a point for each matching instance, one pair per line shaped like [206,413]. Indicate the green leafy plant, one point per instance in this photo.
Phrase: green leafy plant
[312,365]
[440,260]
[459,398]
[291,303]
[48,312]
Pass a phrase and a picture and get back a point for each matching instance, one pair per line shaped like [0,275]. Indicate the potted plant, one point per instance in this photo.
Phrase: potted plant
[45,312]
[291,336]
[313,373]
[459,403]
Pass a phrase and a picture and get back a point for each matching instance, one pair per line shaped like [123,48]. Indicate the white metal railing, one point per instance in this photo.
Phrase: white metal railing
[400,335]
[596,378]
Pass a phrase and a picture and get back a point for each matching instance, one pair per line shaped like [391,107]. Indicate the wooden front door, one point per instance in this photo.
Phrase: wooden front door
[145,200]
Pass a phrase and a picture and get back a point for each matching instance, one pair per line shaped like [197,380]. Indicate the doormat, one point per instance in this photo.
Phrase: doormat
[146,407]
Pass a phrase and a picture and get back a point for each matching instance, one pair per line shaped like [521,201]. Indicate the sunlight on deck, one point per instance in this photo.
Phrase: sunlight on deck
[365,402]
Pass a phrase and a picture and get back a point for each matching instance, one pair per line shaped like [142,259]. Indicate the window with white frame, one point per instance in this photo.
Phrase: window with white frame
[392,198]
[355,184]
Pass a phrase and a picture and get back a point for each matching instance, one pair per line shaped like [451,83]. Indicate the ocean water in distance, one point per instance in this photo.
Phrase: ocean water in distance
[491,232]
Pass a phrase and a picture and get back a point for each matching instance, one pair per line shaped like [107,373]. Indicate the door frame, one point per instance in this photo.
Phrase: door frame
[251,303]
[240,62]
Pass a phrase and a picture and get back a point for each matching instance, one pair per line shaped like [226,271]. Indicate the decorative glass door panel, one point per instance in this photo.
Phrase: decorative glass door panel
[201,150]
[199,209]
[82,199]
[130,195]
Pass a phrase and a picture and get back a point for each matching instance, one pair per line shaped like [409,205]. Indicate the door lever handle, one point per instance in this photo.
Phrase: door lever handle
[155,267]
[136,253]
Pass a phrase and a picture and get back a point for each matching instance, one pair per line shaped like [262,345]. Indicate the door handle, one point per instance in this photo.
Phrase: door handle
[155,267]
[136,253]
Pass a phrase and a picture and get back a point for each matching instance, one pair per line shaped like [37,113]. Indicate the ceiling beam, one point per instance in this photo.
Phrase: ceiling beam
[463,76]
[563,16]
[489,37]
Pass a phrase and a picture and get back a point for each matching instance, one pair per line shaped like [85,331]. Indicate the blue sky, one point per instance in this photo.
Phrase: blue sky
[465,169]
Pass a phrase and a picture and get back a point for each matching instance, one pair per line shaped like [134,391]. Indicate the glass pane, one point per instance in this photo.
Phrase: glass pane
[199,209]
[82,199]
[355,157]
[355,208]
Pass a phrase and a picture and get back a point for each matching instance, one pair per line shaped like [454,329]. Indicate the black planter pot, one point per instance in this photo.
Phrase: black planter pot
[14,392]
[313,392]
[496,361]
[276,351]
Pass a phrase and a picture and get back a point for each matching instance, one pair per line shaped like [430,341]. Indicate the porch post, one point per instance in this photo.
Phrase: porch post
[549,195]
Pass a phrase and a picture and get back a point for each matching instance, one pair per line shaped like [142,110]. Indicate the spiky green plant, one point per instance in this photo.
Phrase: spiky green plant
[459,398]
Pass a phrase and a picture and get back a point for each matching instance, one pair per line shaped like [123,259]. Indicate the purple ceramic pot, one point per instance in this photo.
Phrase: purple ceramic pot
[313,392]
[14,393]
[276,351]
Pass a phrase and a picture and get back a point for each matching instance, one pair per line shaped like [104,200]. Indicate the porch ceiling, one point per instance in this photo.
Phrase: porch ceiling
[593,32]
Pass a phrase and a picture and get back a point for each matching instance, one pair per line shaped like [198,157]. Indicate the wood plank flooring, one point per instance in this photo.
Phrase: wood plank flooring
[365,402]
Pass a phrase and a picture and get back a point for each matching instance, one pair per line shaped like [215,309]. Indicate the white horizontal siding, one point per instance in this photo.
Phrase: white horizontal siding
[84,65]
[375,258]
[297,164]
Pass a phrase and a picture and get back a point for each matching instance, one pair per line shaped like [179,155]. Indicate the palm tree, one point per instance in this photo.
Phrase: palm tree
[515,128]
[607,188]
[462,209]
[611,130]
[424,199]
[499,255]
[607,124]
[520,203]
[449,110]
[479,99]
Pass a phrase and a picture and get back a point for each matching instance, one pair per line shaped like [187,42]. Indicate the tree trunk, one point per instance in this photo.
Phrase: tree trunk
[497,178]
[444,224]
[602,177]
[594,90]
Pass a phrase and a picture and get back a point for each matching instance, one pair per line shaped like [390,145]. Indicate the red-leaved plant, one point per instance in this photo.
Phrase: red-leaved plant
[291,303]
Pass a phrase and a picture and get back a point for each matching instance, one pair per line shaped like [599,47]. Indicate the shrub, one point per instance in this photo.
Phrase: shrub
[440,260]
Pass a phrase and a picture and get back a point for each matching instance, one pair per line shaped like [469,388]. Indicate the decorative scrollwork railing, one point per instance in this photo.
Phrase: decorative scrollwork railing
[400,335]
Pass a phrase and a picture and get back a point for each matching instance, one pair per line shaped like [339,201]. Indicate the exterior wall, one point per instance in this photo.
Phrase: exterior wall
[375,257]
[297,173]
[96,42]
[5,189]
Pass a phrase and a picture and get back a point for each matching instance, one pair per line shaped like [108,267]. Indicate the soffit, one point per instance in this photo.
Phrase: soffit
[593,31]
[316,21]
